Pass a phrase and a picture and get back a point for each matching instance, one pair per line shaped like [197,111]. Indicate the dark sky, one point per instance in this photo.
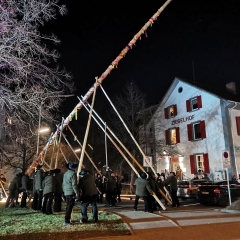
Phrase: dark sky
[203,32]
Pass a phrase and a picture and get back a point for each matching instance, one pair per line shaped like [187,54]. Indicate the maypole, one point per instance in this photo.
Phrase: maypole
[113,65]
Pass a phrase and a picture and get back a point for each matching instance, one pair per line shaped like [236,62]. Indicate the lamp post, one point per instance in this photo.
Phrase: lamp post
[42,130]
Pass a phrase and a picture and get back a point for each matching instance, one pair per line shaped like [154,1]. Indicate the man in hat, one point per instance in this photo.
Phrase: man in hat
[142,190]
[172,181]
[89,195]
[70,190]
[37,188]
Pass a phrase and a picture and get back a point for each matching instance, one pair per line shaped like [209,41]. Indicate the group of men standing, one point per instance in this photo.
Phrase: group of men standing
[148,185]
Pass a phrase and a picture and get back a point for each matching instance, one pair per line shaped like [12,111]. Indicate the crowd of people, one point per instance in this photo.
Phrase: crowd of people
[48,189]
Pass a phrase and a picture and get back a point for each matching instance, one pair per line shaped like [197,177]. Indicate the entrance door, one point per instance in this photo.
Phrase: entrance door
[174,164]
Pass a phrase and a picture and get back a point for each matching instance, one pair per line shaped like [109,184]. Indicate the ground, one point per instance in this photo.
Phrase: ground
[21,224]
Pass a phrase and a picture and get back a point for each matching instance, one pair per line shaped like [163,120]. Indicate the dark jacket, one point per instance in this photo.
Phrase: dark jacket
[159,184]
[15,185]
[152,184]
[111,184]
[26,183]
[142,187]
[87,185]
[70,183]
[172,181]
[37,180]
[59,181]
[99,183]
[48,184]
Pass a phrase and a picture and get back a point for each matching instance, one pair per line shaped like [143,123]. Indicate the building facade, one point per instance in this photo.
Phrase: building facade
[196,130]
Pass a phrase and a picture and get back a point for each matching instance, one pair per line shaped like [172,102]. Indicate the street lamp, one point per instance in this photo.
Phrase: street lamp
[40,115]
[78,150]
[42,130]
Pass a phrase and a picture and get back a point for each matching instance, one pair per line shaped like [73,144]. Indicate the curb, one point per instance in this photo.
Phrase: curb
[230,211]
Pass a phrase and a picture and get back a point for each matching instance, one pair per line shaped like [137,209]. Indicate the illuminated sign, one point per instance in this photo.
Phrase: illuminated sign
[181,120]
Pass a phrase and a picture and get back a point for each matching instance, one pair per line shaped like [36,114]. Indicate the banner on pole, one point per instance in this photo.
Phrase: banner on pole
[145,164]
[226,159]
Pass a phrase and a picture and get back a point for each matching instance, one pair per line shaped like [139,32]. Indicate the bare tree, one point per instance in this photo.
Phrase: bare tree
[26,80]
[129,104]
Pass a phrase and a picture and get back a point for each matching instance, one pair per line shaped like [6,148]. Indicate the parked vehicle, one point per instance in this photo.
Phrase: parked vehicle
[217,192]
[189,188]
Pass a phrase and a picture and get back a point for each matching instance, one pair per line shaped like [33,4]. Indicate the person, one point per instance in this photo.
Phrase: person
[48,185]
[172,181]
[58,176]
[99,185]
[89,195]
[142,190]
[37,188]
[26,186]
[111,190]
[153,186]
[14,189]
[159,185]
[234,178]
[179,173]
[70,190]
[118,189]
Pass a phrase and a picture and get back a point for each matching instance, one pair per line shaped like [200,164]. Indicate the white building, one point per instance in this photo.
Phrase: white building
[196,128]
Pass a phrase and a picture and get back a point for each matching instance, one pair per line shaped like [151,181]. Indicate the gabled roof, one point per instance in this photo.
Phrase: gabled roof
[218,90]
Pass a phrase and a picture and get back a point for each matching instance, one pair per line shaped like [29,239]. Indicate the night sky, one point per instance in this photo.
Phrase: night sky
[205,33]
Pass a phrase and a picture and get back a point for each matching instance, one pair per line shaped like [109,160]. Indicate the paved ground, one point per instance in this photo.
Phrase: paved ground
[179,223]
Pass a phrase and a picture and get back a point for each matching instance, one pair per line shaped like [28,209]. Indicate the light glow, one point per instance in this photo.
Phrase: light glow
[78,150]
[43,130]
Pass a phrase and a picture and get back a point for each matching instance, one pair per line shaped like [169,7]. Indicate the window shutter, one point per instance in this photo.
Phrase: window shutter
[206,163]
[166,113]
[177,135]
[175,109]
[203,129]
[167,137]
[238,125]
[192,164]
[189,129]
[199,101]
[188,105]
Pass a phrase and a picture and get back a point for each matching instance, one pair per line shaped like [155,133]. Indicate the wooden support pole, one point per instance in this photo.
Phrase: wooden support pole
[87,130]
[89,158]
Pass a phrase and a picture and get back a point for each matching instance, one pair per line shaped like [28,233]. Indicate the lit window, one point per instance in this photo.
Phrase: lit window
[200,163]
[173,136]
[170,111]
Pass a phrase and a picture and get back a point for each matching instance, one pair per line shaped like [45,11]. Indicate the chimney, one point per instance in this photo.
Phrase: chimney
[231,87]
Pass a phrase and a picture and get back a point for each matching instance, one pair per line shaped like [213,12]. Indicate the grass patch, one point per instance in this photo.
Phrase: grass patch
[18,221]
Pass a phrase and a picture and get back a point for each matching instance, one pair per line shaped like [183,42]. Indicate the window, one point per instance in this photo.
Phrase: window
[238,125]
[199,162]
[194,104]
[196,131]
[170,111]
[172,136]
